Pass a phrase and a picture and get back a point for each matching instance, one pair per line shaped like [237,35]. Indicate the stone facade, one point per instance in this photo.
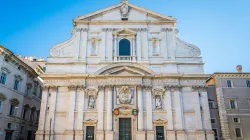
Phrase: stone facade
[20,89]
[230,94]
[95,87]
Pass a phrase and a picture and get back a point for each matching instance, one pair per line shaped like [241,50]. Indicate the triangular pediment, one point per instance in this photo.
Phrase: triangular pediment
[125,71]
[114,13]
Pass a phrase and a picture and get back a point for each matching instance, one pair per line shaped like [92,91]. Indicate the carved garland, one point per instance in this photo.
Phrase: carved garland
[14,102]
[90,122]
[159,122]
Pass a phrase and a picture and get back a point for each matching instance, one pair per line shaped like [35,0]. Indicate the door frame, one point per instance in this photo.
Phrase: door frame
[163,123]
[89,122]
[130,125]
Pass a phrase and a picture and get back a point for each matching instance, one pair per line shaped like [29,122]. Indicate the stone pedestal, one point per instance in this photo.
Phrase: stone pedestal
[181,135]
[99,135]
[170,135]
[210,135]
[140,135]
[200,135]
[69,135]
[109,135]
[79,135]
[39,135]
[150,135]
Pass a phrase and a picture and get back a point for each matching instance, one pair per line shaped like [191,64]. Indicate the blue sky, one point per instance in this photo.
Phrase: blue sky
[220,28]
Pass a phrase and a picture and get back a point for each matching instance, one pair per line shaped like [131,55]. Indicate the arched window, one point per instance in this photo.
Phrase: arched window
[124,47]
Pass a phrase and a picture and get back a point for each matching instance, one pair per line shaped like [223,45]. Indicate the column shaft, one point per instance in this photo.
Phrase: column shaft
[168,106]
[71,111]
[81,99]
[198,111]
[140,107]
[138,45]
[109,109]
[179,110]
[149,110]
[100,108]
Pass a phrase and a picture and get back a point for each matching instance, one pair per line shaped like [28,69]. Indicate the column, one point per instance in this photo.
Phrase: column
[115,47]
[171,42]
[179,113]
[42,119]
[165,43]
[79,126]
[109,133]
[150,129]
[199,128]
[138,44]
[206,114]
[145,45]
[133,53]
[83,45]
[169,109]
[100,108]
[69,133]
[140,133]
[103,44]
[109,47]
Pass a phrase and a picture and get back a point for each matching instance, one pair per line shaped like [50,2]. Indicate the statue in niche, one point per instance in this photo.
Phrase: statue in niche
[91,103]
[93,48]
[158,102]
[156,50]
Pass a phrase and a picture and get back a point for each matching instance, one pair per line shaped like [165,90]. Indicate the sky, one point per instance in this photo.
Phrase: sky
[220,28]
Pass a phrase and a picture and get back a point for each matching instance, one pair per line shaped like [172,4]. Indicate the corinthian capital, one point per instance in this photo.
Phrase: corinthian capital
[53,88]
[72,88]
[173,88]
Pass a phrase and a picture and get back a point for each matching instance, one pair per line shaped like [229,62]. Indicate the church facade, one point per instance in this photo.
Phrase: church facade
[124,75]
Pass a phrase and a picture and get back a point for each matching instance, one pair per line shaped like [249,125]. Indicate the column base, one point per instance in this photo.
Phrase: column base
[79,135]
[99,135]
[200,135]
[150,135]
[170,134]
[210,135]
[68,135]
[109,135]
[140,135]
[181,135]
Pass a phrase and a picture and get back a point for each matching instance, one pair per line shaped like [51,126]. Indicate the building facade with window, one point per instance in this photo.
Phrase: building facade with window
[20,87]
[230,93]
[124,74]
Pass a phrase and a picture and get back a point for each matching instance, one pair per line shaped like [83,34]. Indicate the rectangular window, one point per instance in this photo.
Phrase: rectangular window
[211,104]
[1,106]
[16,85]
[24,114]
[238,133]
[37,116]
[28,91]
[248,83]
[12,110]
[213,121]
[215,132]
[232,104]
[3,78]
[22,130]
[31,115]
[236,120]
[229,83]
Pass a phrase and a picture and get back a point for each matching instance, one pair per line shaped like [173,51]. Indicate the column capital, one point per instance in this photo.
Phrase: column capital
[172,87]
[53,88]
[45,88]
[81,29]
[147,87]
[199,88]
[167,29]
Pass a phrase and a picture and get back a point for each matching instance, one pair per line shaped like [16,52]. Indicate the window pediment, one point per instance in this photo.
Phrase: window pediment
[14,101]
[2,97]
[125,32]
[5,70]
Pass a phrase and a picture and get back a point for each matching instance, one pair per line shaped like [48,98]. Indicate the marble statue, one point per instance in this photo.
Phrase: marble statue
[91,103]
[158,102]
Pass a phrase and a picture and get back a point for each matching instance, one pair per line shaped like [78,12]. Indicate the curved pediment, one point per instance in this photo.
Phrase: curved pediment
[124,69]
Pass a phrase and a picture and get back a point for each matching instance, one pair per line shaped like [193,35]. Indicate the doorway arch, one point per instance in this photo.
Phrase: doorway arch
[124,48]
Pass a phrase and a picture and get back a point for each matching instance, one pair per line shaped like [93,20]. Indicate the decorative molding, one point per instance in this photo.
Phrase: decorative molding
[90,122]
[72,88]
[18,77]
[14,102]
[159,122]
[4,69]
[2,97]
[125,95]
[29,85]
[158,91]
[166,29]
[147,87]
[81,29]
[173,88]
[44,88]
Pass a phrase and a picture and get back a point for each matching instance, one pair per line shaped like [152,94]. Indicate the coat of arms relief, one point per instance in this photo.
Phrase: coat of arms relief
[125,95]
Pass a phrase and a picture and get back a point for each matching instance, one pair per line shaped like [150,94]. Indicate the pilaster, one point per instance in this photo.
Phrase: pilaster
[52,107]
[103,44]
[178,108]
[138,45]
[140,108]
[83,43]
[197,103]
[69,133]
[100,108]
[223,114]
[171,43]
[145,51]
[79,125]
[109,90]
[165,43]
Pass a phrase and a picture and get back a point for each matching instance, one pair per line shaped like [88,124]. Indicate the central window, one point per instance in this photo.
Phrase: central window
[124,48]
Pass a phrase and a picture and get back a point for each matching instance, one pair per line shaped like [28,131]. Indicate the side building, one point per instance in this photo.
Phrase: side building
[229,103]
[20,96]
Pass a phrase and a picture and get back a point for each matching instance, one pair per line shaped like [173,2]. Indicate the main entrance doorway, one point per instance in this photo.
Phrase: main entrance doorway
[90,134]
[125,129]
[159,133]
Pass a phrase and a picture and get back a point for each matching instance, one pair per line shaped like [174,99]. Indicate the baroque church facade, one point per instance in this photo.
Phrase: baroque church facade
[124,75]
